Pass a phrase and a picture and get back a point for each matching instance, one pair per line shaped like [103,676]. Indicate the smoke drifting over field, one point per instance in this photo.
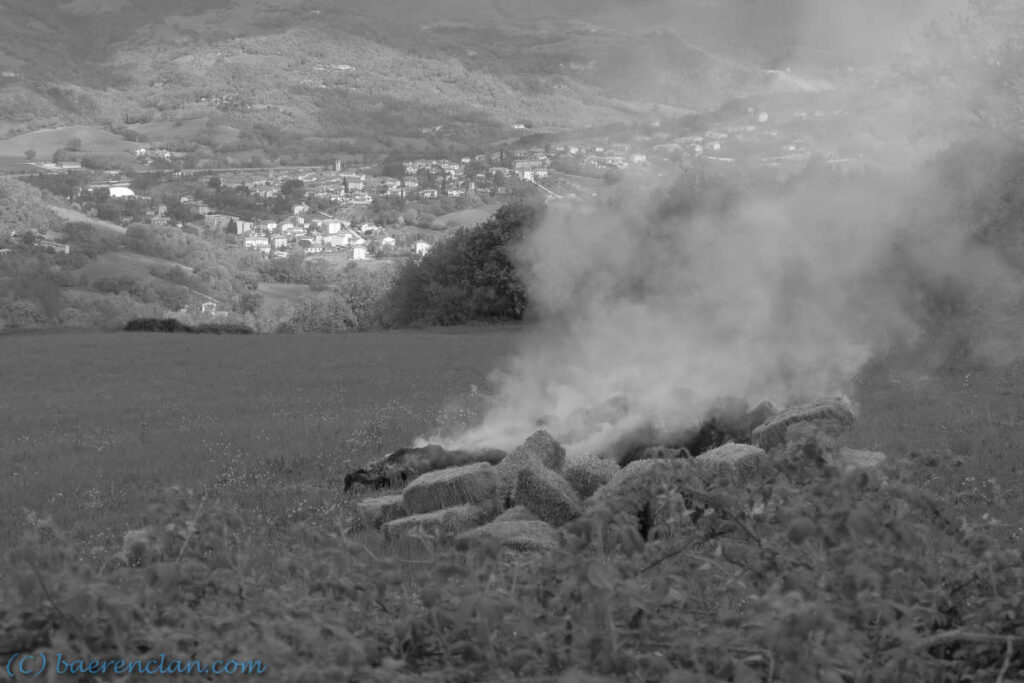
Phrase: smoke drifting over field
[669,297]
[765,296]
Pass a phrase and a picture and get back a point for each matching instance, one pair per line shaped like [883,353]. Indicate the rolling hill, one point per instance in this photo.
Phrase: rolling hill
[46,142]
[307,76]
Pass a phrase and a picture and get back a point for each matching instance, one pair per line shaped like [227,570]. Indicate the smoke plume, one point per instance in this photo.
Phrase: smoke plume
[669,296]
[678,296]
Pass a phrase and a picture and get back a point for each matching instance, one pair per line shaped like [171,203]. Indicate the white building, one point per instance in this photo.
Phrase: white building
[359,253]
[421,247]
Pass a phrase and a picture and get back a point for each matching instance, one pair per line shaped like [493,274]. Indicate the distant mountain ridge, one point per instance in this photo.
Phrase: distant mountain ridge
[374,73]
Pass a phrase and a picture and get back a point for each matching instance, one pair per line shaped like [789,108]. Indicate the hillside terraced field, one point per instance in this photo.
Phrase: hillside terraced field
[46,142]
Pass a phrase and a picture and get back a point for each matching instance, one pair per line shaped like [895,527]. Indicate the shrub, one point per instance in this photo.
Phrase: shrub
[222,328]
[468,276]
[174,325]
[156,325]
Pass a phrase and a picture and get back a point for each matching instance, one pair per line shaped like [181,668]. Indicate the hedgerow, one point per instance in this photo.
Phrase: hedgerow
[802,574]
[175,325]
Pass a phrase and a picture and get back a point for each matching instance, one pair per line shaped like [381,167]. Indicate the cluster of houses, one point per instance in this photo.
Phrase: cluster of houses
[423,179]
[312,235]
[769,139]
[145,155]
[603,157]
[48,242]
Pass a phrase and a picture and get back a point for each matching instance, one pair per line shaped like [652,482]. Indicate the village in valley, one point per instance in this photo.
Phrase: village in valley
[263,238]
[357,212]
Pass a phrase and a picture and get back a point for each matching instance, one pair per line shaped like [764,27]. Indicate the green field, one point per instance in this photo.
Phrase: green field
[262,429]
[94,424]
[280,293]
[46,142]
[71,215]
[14,164]
[126,263]
[467,218]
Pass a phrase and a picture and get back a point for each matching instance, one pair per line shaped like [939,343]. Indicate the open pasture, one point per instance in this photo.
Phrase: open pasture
[46,142]
[126,263]
[94,424]
[468,218]
[282,293]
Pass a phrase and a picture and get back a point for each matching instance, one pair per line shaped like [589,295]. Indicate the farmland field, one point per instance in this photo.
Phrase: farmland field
[68,214]
[93,424]
[261,431]
[161,132]
[46,142]
[278,293]
[14,164]
[126,263]
[468,217]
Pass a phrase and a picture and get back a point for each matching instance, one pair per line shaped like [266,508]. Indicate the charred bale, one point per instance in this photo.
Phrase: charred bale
[541,448]
[374,512]
[588,473]
[736,462]
[447,522]
[727,420]
[405,464]
[832,415]
[645,491]
[546,494]
[476,483]
[519,535]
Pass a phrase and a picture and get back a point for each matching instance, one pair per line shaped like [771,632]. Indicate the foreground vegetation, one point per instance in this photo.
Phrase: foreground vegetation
[802,576]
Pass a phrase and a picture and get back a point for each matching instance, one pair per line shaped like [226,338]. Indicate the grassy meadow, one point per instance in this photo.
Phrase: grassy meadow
[278,293]
[252,563]
[46,142]
[94,424]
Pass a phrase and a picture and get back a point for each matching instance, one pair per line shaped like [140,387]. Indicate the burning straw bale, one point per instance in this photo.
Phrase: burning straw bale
[448,522]
[543,446]
[406,464]
[546,494]
[736,461]
[636,478]
[521,535]
[519,513]
[833,415]
[540,447]
[759,414]
[454,486]
[589,473]
[643,491]
[373,512]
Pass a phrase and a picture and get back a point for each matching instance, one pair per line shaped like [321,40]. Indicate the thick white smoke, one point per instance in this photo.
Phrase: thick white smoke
[774,294]
[667,297]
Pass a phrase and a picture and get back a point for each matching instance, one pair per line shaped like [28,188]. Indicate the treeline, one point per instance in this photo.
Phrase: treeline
[471,276]
[355,298]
